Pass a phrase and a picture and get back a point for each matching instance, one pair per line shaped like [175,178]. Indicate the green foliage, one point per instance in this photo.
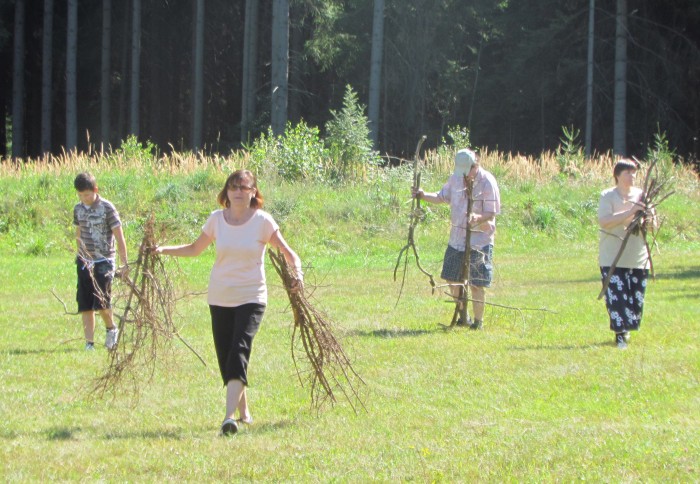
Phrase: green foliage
[132,149]
[457,138]
[570,155]
[662,154]
[348,140]
[298,155]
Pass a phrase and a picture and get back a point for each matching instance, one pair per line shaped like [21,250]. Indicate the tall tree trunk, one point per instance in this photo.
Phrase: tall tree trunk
[105,73]
[375,73]
[72,77]
[18,82]
[46,77]
[135,68]
[198,76]
[476,83]
[280,65]
[589,80]
[620,109]
[250,51]
[122,106]
[295,81]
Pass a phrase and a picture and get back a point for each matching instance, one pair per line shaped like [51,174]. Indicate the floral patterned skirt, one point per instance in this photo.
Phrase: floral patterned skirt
[624,297]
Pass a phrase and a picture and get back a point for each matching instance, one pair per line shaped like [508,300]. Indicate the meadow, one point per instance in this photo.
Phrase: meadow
[541,394]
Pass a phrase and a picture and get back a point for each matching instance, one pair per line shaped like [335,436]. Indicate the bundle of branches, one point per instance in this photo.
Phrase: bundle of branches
[654,191]
[330,368]
[143,305]
[415,216]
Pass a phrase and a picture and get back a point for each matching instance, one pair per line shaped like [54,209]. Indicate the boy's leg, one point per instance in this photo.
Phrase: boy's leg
[107,317]
[112,332]
[88,325]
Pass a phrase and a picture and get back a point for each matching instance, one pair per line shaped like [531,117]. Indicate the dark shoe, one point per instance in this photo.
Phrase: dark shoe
[620,341]
[478,324]
[229,427]
[460,322]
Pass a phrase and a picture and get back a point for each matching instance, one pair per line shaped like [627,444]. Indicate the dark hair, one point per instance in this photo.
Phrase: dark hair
[623,165]
[238,176]
[85,181]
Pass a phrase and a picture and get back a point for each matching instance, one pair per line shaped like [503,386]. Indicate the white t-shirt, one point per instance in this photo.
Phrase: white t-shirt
[635,255]
[238,274]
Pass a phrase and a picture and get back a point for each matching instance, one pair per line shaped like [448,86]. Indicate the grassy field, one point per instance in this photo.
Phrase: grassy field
[538,395]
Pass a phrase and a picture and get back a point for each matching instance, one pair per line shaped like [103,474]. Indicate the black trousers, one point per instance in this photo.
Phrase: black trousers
[624,298]
[234,330]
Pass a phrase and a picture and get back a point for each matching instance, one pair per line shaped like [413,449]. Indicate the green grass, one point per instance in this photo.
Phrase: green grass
[536,396]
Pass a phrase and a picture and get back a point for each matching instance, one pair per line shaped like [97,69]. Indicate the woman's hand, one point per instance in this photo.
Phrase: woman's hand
[297,286]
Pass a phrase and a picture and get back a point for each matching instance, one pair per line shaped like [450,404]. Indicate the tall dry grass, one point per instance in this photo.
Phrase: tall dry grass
[527,168]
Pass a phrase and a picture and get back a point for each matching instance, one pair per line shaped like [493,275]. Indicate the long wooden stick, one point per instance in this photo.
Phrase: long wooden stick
[415,217]
[465,276]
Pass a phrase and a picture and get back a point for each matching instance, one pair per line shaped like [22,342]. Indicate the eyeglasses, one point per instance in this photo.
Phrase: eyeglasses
[243,188]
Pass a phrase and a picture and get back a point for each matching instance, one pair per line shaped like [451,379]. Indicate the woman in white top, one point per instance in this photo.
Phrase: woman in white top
[237,293]
[624,297]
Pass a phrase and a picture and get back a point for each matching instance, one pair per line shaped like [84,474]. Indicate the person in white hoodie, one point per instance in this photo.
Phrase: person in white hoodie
[482,221]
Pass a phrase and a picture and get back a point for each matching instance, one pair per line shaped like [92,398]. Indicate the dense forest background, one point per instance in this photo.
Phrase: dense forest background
[200,74]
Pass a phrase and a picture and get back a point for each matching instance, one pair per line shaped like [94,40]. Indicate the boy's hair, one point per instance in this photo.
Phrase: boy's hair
[622,165]
[85,181]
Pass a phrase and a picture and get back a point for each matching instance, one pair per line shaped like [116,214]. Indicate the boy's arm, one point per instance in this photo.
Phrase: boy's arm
[79,243]
[121,248]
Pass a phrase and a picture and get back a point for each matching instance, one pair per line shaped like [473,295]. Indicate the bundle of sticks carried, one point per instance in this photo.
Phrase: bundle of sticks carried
[654,191]
[144,303]
[328,369]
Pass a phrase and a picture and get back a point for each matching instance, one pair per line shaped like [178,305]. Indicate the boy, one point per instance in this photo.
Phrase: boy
[97,225]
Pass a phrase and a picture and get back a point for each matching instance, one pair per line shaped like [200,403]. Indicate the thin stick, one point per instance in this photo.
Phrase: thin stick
[415,217]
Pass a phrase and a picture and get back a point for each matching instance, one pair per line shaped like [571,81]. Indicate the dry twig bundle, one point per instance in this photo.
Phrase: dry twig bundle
[146,328]
[654,192]
[330,368]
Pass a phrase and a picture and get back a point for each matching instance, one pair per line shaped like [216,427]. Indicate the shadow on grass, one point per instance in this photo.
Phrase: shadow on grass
[393,332]
[147,434]
[684,273]
[62,433]
[600,344]
[41,351]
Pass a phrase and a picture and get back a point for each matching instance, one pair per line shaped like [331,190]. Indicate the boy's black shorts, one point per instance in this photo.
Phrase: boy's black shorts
[94,286]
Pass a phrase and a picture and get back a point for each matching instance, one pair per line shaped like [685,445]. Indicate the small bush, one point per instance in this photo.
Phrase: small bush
[298,155]
[348,140]
[131,149]
[570,155]
[662,154]
[457,139]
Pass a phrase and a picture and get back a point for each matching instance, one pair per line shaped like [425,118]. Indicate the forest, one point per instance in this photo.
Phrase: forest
[212,75]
